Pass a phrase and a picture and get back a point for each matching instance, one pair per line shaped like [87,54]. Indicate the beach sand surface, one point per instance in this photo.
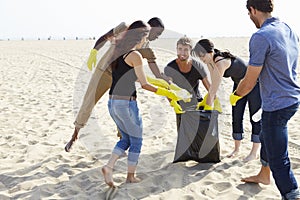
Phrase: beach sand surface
[41,88]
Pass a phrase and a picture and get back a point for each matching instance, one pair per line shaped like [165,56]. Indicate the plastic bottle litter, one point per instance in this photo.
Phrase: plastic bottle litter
[257,116]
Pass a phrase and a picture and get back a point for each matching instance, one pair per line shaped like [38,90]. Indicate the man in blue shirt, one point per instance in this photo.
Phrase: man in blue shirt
[273,59]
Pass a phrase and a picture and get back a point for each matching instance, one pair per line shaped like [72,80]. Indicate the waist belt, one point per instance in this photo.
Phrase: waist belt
[119,97]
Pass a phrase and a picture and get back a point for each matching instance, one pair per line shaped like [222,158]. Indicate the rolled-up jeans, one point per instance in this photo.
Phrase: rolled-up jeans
[125,114]
[274,150]
[254,103]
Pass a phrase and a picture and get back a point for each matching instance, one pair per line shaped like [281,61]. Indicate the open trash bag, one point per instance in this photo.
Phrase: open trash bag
[198,137]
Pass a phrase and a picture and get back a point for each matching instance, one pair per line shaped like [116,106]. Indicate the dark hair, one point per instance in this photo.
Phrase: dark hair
[156,22]
[224,54]
[261,5]
[204,46]
[134,34]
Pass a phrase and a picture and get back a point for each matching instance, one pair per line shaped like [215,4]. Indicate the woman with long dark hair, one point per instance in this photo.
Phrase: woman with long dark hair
[127,68]
[224,64]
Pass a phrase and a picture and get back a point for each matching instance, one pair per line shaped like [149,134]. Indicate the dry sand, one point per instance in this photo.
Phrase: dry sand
[41,86]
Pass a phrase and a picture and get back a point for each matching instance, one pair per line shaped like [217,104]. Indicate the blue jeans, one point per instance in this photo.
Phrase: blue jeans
[254,104]
[274,149]
[126,115]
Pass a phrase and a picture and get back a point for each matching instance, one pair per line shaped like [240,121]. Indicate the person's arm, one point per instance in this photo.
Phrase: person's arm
[206,83]
[216,72]
[110,34]
[246,84]
[134,59]
[103,39]
[249,81]
[149,54]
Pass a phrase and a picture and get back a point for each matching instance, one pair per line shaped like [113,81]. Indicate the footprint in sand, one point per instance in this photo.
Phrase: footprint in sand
[111,193]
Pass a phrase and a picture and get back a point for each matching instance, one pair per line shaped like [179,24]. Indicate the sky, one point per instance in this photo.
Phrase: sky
[34,19]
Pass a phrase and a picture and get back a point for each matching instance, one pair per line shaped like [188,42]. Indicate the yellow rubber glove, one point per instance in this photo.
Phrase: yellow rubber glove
[158,82]
[177,107]
[234,98]
[167,93]
[217,105]
[202,103]
[175,87]
[92,59]
[207,107]
[182,93]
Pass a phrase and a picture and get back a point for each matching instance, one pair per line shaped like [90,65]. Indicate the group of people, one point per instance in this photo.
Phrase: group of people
[267,82]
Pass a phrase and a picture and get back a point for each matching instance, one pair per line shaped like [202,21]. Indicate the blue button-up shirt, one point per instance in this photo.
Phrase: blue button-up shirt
[275,47]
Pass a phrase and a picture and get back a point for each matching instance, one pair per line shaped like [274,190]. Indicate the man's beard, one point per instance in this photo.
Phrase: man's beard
[182,58]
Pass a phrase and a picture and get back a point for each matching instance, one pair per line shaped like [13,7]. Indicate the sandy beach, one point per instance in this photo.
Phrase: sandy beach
[41,88]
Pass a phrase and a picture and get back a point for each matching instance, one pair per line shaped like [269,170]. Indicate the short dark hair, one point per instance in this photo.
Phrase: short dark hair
[156,22]
[261,5]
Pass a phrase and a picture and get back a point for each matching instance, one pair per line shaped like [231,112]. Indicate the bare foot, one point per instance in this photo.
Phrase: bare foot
[250,157]
[107,174]
[133,180]
[256,179]
[233,154]
[262,177]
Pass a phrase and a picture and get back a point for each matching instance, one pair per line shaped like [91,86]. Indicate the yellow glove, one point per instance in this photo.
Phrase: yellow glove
[234,98]
[92,59]
[182,93]
[177,107]
[158,82]
[202,103]
[217,105]
[175,87]
[168,93]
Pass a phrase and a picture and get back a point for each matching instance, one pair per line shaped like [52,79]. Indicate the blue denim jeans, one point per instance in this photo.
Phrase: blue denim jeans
[254,103]
[126,115]
[274,150]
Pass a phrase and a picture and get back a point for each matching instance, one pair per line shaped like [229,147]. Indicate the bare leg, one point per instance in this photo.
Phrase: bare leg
[253,153]
[262,177]
[237,144]
[107,170]
[130,175]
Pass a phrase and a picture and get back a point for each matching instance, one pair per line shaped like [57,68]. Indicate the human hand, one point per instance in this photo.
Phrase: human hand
[182,93]
[158,82]
[217,105]
[167,93]
[92,59]
[234,98]
[202,103]
[203,106]
[177,107]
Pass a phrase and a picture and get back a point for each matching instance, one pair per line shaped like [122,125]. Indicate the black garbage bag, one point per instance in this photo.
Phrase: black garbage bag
[198,137]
